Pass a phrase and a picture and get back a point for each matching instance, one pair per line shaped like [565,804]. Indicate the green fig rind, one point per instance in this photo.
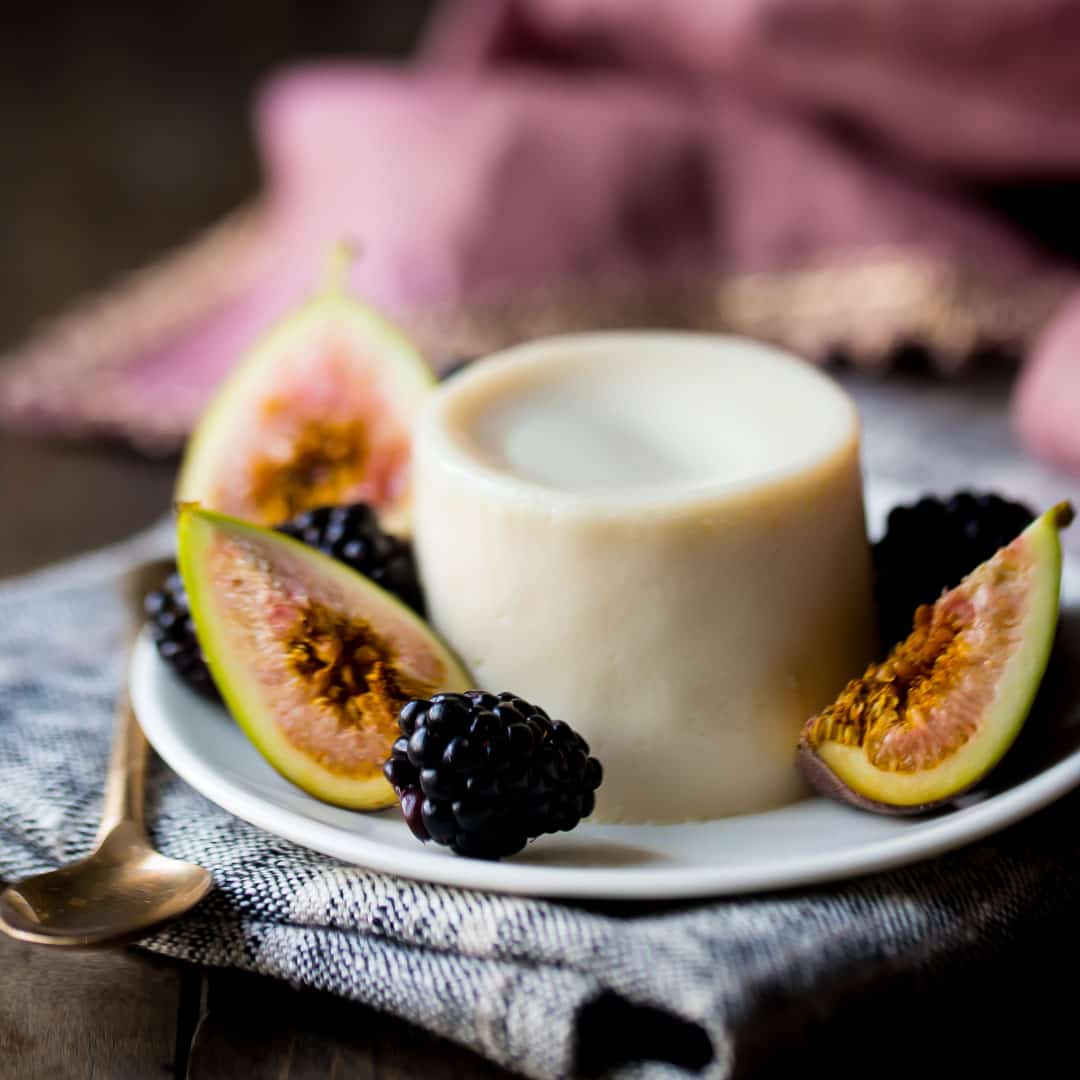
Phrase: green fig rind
[402,370]
[844,772]
[234,675]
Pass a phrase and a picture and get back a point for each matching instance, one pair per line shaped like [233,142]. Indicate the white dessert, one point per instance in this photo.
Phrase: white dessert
[659,538]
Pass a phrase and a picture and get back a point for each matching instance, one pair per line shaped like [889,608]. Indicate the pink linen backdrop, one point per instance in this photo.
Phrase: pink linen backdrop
[798,170]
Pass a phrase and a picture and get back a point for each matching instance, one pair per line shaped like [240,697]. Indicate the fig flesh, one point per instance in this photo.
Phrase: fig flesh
[925,725]
[319,412]
[313,660]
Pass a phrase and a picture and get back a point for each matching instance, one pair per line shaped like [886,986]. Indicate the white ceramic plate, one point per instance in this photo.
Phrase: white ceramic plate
[810,841]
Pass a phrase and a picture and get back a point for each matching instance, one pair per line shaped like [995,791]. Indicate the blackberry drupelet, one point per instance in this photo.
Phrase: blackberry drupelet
[932,545]
[483,773]
[174,635]
[350,534]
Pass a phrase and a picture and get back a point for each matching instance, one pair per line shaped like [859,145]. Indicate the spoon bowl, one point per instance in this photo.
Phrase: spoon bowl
[123,888]
[119,892]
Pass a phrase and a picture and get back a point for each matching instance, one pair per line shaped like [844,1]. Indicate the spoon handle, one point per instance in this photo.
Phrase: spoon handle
[125,783]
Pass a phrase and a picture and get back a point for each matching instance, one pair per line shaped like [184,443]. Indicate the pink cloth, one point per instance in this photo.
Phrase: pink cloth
[793,169]
[973,87]
[1047,400]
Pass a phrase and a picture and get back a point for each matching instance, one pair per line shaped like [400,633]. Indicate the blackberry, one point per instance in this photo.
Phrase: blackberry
[932,545]
[350,534]
[174,635]
[483,773]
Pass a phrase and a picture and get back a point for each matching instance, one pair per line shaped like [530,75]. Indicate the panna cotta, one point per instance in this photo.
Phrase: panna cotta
[659,538]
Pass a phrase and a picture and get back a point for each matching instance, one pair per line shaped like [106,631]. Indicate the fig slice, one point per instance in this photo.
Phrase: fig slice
[319,412]
[930,721]
[312,659]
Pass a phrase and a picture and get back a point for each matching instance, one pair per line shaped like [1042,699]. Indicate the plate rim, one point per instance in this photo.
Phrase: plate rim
[630,883]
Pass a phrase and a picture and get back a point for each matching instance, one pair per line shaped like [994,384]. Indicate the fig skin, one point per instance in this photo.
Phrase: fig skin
[350,443]
[1024,579]
[293,703]
[825,782]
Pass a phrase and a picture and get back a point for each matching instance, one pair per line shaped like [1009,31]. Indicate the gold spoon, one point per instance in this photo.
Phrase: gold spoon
[123,888]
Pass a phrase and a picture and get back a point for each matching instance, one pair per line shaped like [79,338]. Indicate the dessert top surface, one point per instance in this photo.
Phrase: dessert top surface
[640,416]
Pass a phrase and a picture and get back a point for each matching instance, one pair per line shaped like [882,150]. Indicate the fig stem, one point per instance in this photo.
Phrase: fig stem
[336,267]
